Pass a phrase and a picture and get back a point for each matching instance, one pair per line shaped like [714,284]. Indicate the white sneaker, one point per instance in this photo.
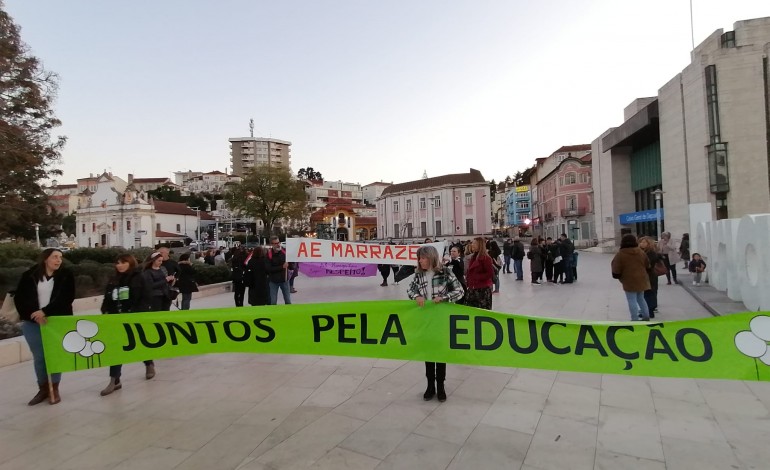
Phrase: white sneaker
[697,284]
[694,283]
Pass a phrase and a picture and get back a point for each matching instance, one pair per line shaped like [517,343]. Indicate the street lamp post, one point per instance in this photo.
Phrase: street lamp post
[658,193]
[37,233]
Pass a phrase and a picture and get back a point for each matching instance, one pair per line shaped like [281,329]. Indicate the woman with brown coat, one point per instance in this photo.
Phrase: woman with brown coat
[630,266]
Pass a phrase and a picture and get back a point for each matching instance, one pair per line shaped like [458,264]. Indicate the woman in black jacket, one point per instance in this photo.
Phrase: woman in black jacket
[185,280]
[256,277]
[44,290]
[155,292]
[124,293]
[238,269]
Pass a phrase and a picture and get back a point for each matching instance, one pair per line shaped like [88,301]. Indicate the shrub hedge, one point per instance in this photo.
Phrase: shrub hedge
[92,267]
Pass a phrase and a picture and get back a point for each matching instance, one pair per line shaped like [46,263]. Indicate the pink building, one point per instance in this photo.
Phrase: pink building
[565,195]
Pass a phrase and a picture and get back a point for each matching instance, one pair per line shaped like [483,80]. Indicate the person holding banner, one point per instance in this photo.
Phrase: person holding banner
[479,276]
[44,290]
[124,294]
[278,272]
[439,284]
[630,266]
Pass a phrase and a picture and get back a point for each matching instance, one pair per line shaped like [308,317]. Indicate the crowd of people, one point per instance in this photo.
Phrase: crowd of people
[468,274]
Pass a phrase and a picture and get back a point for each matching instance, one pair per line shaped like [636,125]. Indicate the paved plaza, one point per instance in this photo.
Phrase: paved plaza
[250,411]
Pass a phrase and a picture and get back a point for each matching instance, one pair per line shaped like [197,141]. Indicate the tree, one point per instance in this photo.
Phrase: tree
[309,174]
[269,194]
[167,193]
[28,150]
[518,179]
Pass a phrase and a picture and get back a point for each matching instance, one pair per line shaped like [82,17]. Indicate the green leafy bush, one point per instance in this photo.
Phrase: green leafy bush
[207,274]
[9,279]
[85,287]
[19,263]
[92,267]
[100,255]
[9,251]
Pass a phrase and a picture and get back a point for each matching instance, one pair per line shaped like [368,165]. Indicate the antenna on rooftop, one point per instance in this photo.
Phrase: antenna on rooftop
[692,29]
[251,127]
[424,174]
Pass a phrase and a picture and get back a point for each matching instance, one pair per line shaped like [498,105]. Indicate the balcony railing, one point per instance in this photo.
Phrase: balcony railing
[577,212]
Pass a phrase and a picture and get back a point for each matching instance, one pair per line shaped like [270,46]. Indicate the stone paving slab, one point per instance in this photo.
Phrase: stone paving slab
[269,412]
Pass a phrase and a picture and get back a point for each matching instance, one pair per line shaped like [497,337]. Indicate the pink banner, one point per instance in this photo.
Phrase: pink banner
[338,269]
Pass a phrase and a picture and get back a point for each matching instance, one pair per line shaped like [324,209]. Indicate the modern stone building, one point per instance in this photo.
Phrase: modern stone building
[704,141]
[248,152]
[449,206]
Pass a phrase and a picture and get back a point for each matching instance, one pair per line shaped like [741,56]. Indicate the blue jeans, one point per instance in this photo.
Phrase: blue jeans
[518,269]
[284,286]
[31,331]
[507,265]
[566,266]
[186,298]
[637,306]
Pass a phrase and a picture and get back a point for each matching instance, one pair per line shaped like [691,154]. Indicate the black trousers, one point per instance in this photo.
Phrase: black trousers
[239,289]
[549,270]
[435,371]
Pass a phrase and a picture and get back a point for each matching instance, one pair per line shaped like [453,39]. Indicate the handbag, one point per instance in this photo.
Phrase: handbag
[173,293]
[8,312]
[660,268]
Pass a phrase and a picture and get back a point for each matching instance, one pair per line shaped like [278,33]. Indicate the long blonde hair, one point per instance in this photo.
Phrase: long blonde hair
[481,247]
[651,245]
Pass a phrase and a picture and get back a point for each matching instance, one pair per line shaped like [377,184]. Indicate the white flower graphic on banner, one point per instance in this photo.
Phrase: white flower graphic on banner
[79,342]
[753,342]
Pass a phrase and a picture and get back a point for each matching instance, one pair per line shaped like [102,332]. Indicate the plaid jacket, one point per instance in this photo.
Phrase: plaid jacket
[444,285]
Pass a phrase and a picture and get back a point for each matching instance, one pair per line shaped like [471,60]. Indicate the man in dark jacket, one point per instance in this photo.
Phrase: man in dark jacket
[277,272]
[517,254]
[566,249]
[507,253]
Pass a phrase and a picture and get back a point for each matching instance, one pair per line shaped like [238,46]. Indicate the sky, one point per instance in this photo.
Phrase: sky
[364,90]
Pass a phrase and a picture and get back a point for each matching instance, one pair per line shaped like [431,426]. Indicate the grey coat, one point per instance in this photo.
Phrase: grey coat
[535,256]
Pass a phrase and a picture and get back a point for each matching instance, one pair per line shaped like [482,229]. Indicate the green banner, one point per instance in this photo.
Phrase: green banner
[729,347]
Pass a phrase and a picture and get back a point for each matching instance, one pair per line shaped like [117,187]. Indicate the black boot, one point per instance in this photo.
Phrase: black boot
[430,374]
[41,396]
[440,376]
[430,392]
[441,393]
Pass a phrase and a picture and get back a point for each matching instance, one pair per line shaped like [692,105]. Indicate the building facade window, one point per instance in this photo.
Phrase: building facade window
[468,199]
[128,225]
[409,205]
[438,228]
[84,228]
[469,226]
[178,228]
[423,229]
[569,178]
[93,227]
[396,230]
[422,203]
[157,226]
[571,203]
[409,230]
[114,226]
[395,206]
[436,201]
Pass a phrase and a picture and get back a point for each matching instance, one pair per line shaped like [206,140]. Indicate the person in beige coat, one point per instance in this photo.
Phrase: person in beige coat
[670,256]
[630,267]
